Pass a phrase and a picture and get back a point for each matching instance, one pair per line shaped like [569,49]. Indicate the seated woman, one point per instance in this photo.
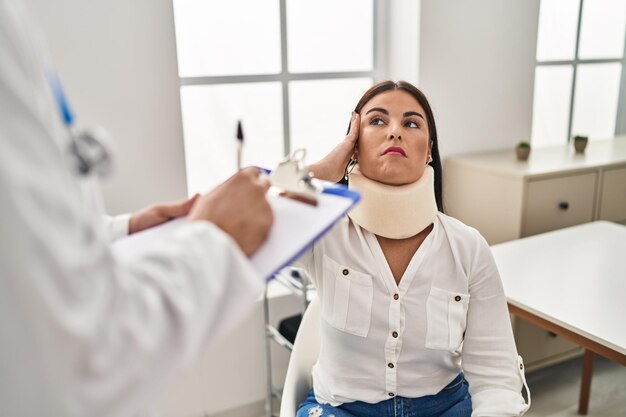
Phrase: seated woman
[414,317]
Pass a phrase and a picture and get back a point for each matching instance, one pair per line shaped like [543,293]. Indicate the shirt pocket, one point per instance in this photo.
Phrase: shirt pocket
[446,316]
[347,298]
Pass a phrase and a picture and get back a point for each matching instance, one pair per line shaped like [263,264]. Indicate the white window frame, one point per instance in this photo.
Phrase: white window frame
[379,33]
[620,120]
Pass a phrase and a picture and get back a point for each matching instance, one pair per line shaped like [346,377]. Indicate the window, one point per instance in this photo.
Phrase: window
[291,71]
[580,71]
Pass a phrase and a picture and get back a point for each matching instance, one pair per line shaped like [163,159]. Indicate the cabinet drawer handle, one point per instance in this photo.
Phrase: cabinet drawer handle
[564,205]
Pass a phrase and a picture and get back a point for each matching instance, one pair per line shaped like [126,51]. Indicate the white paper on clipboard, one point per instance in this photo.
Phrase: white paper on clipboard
[296,227]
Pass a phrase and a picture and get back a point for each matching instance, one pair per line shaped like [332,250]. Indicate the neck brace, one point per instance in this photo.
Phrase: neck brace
[394,212]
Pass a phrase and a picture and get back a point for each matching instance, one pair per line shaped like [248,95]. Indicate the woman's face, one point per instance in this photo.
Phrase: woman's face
[393,146]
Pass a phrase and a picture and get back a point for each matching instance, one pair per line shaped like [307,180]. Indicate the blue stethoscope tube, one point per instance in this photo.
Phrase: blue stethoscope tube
[87,146]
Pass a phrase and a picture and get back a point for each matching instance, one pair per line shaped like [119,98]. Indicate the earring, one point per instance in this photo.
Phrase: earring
[351,164]
[430,159]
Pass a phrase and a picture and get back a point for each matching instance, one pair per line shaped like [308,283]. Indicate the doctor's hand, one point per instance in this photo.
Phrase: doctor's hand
[158,214]
[332,166]
[239,208]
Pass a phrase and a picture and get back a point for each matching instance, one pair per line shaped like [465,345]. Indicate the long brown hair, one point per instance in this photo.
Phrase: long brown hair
[430,119]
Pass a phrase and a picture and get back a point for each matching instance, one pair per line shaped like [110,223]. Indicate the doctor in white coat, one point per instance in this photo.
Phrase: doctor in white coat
[80,334]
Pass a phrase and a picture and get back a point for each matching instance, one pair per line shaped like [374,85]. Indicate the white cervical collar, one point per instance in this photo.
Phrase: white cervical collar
[394,212]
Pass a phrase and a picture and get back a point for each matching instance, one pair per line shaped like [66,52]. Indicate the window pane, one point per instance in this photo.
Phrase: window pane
[558,22]
[330,35]
[320,112]
[210,115]
[595,100]
[602,29]
[553,87]
[216,37]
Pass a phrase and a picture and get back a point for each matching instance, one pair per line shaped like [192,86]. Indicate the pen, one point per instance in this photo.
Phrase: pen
[239,144]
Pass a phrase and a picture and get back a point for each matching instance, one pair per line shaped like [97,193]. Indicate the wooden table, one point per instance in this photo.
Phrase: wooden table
[571,282]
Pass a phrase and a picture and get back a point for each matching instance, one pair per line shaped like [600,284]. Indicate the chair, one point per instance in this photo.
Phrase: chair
[306,349]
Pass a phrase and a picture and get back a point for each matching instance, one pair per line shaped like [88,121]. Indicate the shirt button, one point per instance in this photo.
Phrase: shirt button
[390,365]
[396,296]
[391,394]
[394,334]
[457,298]
[345,272]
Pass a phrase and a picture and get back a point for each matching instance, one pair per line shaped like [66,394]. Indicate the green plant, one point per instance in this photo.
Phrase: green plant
[522,150]
[581,138]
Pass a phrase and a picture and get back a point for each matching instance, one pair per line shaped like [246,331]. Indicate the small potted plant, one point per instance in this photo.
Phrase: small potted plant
[580,143]
[522,150]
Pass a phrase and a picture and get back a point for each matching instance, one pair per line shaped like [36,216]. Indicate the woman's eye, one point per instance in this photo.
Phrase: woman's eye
[377,121]
[412,124]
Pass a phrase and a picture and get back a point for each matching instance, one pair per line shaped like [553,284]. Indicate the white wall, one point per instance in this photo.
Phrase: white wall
[403,48]
[477,62]
[229,378]
[117,60]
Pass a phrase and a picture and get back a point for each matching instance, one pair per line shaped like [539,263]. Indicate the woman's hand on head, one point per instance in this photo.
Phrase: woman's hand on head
[332,166]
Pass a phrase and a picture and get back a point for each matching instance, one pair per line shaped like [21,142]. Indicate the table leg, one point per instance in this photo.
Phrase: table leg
[585,385]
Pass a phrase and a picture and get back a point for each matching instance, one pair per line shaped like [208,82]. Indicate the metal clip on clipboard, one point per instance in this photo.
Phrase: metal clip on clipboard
[295,180]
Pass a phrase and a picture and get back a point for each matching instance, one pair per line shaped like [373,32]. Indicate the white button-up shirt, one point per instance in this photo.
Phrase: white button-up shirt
[448,314]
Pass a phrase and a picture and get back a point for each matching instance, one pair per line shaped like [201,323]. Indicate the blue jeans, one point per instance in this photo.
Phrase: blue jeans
[452,401]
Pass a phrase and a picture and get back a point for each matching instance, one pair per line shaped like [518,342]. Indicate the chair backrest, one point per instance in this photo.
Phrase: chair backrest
[303,356]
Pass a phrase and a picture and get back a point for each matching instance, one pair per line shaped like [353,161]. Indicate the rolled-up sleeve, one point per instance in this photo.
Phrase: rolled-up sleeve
[491,364]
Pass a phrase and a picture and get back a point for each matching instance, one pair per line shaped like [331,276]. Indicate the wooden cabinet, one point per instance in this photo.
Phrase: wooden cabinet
[506,199]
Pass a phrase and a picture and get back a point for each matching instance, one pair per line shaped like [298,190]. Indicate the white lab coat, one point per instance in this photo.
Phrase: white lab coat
[80,334]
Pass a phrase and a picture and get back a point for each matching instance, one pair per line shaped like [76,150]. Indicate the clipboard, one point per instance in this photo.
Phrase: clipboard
[297,225]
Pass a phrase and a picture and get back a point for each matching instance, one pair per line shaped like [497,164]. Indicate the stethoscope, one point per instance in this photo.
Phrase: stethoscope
[90,149]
